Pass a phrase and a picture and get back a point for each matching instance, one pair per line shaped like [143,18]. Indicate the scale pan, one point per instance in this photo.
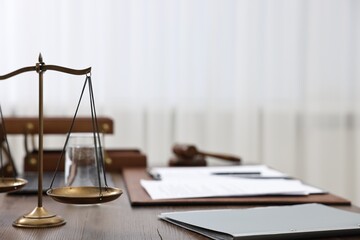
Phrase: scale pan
[11,184]
[84,195]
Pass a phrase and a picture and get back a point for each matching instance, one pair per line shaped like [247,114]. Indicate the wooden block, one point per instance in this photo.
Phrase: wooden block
[115,160]
[56,125]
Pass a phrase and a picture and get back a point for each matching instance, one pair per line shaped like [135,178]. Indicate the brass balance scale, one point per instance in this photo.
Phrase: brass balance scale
[40,217]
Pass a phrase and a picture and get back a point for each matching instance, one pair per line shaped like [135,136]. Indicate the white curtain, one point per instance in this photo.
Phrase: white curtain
[275,81]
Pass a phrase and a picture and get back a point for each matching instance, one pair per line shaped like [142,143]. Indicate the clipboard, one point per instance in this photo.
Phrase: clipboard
[138,196]
[279,222]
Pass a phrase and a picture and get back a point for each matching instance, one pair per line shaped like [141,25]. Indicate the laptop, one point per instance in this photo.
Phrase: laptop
[33,178]
[31,187]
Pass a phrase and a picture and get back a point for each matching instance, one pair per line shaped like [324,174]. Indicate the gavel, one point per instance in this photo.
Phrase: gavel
[189,155]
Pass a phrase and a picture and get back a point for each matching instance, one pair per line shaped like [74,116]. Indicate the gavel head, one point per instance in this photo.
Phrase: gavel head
[178,161]
[185,151]
[2,133]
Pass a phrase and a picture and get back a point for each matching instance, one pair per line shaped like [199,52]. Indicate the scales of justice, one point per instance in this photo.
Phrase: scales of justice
[39,217]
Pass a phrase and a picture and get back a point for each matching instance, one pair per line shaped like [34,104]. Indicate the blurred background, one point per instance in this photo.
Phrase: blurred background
[275,82]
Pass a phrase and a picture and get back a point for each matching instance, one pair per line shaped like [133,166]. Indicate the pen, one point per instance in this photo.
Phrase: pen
[236,173]
[252,175]
[154,175]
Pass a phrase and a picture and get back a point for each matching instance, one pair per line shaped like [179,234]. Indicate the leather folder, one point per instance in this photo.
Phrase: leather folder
[139,197]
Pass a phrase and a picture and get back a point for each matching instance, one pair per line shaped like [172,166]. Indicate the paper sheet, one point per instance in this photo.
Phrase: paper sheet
[199,182]
[210,187]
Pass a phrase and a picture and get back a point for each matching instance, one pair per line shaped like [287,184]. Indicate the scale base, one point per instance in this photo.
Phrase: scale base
[39,218]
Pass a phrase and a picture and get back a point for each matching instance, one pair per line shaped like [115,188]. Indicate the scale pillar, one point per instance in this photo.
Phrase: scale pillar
[39,218]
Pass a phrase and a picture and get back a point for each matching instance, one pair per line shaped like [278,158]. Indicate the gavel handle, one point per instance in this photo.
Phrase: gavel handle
[221,156]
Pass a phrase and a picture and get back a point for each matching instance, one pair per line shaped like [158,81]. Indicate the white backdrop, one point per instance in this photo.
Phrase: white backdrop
[276,82]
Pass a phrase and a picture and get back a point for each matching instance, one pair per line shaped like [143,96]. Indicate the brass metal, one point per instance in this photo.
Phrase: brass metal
[41,130]
[11,184]
[67,70]
[44,68]
[16,72]
[33,161]
[105,127]
[84,195]
[108,161]
[39,218]
[9,169]
[30,126]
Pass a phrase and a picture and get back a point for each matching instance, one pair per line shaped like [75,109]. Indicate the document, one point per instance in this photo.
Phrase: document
[230,181]
[221,187]
[282,222]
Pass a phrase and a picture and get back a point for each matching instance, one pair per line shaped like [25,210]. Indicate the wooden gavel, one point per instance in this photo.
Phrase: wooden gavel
[186,155]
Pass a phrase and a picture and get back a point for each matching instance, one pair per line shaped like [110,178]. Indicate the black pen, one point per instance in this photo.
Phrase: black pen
[154,175]
[236,173]
[252,175]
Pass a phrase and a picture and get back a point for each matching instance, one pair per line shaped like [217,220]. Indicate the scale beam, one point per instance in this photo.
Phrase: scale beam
[17,72]
[42,67]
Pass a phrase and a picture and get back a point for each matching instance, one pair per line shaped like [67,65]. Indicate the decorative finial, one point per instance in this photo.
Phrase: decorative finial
[40,59]
[40,64]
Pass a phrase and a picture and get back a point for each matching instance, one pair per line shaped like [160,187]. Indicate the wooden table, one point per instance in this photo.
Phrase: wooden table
[113,220]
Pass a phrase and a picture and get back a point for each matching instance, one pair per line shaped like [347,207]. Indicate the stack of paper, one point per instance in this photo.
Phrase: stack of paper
[230,181]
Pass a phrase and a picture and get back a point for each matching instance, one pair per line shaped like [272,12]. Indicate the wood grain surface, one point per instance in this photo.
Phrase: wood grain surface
[114,220]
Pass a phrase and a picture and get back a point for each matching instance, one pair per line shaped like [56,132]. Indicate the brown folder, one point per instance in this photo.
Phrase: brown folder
[139,197]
